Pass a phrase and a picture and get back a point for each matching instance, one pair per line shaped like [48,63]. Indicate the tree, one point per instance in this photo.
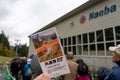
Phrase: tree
[22,50]
[4,40]
[4,45]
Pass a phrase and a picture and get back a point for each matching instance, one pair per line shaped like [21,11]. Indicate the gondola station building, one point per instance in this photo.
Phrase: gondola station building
[88,31]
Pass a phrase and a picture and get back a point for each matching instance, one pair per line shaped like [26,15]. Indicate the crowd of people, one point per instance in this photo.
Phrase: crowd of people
[24,68]
[79,70]
[17,67]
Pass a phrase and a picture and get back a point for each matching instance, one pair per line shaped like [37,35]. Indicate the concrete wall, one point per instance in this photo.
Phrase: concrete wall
[96,62]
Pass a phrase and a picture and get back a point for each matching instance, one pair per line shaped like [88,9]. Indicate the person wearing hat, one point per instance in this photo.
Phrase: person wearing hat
[115,72]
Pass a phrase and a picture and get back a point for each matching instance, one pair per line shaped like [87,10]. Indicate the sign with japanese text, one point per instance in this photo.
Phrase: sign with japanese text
[50,53]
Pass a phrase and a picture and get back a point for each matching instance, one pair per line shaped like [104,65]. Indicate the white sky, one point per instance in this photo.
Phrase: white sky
[20,18]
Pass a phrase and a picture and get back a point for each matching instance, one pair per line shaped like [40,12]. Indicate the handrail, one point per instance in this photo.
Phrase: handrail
[7,73]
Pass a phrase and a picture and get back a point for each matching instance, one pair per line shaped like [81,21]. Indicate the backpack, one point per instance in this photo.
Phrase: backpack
[28,70]
[102,73]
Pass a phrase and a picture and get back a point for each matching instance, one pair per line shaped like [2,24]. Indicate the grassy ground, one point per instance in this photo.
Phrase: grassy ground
[5,59]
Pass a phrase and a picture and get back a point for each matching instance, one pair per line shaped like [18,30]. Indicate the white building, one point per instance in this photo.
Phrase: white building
[89,30]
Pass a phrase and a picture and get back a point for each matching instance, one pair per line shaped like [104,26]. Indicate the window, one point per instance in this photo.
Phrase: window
[99,35]
[117,32]
[65,50]
[74,49]
[92,41]
[69,40]
[74,40]
[85,40]
[109,34]
[79,39]
[100,48]
[92,49]
[85,49]
[65,41]
[61,41]
[69,48]
[91,37]
[79,49]
[107,48]
[118,42]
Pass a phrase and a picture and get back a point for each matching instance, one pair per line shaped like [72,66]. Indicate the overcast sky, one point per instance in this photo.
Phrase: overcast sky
[20,18]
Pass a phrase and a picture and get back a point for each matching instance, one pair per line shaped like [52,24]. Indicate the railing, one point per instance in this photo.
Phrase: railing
[8,76]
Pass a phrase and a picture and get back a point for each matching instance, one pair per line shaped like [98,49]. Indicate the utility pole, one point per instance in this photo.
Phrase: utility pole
[17,43]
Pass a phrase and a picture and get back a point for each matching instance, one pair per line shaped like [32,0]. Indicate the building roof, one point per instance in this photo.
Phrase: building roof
[76,11]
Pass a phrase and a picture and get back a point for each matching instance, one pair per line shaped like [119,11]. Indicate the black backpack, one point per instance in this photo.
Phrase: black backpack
[102,73]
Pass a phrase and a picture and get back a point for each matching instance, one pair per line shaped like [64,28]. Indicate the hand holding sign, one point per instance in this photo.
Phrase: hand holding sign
[43,77]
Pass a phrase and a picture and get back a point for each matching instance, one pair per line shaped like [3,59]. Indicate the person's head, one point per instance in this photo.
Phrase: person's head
[115,50]
[70,55]
[29,61]
[82,69]
[79,61]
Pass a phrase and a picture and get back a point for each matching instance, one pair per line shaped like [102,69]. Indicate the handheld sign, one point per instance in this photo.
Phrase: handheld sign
[50,53]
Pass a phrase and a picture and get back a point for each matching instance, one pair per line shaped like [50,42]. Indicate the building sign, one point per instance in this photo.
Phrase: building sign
[82,19]
[93,15]
[100,13]
[50,54]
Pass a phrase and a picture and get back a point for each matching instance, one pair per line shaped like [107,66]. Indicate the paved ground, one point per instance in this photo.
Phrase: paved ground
[1,75]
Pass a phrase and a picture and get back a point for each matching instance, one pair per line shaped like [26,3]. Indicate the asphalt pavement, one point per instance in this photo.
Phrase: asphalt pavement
[1,74]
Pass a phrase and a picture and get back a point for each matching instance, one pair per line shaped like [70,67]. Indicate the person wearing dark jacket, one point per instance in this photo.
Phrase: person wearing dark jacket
[23,62]
[14,68]
[115,72]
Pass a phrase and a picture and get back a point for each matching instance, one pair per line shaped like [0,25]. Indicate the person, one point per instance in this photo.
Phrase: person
[28,70]
[72,66]
[43,76]
[114,73]
[23,62]
[79,61]
[36,68]
[83,71]
[14,68]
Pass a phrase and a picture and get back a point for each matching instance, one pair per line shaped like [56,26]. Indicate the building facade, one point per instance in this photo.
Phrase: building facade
[89,30]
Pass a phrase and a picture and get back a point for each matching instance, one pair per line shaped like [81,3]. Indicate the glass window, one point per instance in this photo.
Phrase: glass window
[69,48]
[109,34]
[74,40]
[74,49]
[91,37]
[118,42]
[65,41]
[79,39]
[92,49]
[99,35]
[65,50]
[117,32]
[61,41]
[100,48]
[85,49]
[107,48]
[85,40]
[69,40]
[79,50]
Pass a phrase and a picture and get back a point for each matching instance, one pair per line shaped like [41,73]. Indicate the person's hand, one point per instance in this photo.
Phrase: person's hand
[43,77]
